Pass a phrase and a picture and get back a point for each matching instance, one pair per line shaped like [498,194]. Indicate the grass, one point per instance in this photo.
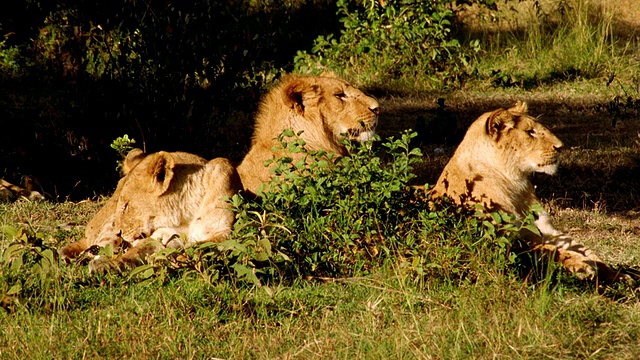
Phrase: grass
[387,312]
[529,44]
[378,316]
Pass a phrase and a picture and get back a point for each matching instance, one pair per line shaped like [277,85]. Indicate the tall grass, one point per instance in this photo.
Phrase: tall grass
[531,45]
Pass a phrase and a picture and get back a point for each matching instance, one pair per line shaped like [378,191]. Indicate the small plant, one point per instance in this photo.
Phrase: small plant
[28,267]
[122,145]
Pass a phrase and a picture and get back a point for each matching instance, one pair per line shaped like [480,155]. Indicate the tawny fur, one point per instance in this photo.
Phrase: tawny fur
[9,191]
[174,198]
[324,108]
[493,165]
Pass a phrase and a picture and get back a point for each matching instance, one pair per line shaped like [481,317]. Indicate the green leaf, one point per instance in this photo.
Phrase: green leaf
[144,271]
[16,263]
[48,255]
[16,288]
[12,251]
[10,231]
[265,244]
[245,273]
[496,217]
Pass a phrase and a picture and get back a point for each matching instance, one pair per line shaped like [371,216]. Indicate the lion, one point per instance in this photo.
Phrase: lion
[164,199]
[493,165]
[326,110]
[10,192]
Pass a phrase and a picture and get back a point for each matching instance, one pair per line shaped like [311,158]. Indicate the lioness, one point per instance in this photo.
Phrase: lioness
[325,109]
[9,192]
[167,197]
[492,166]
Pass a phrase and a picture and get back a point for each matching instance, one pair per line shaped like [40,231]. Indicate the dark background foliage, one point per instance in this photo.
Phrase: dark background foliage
[173,75]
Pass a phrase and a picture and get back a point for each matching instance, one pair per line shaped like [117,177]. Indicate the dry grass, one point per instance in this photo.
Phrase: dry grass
[512,16]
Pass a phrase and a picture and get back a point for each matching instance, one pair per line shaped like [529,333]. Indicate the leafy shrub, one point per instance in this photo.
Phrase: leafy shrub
[28,268]
[10,59]
[382,41]
[327,216]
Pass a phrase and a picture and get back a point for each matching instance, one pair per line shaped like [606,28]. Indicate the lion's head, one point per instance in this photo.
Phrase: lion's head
[176,193]
[325,109]
[494,162]
[147,185]
[520,143]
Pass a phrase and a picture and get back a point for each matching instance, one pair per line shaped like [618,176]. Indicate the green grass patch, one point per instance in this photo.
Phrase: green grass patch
[340,259]
[542,44]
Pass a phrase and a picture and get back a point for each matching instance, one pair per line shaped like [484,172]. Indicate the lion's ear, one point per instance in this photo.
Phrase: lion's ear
[160,171]
[519,107]
[498,121]
[133,158]
[297,92]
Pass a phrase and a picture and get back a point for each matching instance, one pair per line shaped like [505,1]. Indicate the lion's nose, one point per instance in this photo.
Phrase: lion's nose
[559,147]
[375,110]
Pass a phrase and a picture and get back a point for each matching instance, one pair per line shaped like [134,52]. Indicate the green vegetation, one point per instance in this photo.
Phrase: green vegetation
[342,258]
[395,45]
[564,41]
[339,258]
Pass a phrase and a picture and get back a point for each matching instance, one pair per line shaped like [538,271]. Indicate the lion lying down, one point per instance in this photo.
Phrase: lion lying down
[171,199]
[326,109]
[492,166]
[10,192]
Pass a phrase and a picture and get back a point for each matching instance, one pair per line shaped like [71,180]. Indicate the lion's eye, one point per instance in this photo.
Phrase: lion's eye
[531,132]
[341,96]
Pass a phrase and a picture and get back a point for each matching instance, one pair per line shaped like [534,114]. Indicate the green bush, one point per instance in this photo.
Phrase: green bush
[327,216]
[406,42]
[29,269]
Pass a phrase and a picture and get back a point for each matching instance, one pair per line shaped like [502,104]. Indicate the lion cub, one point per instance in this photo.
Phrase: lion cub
[164,199]
[493,165]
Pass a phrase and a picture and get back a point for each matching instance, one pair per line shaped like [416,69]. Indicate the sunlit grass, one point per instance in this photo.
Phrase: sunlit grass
[528,46]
